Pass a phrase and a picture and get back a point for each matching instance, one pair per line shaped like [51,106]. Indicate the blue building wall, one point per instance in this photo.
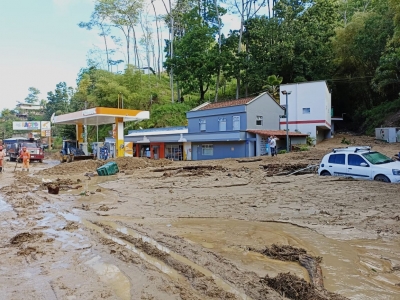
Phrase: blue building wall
[220,150]
[212,117]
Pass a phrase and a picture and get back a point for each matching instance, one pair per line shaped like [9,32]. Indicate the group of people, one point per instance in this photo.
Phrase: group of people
[272,145]
[24,155]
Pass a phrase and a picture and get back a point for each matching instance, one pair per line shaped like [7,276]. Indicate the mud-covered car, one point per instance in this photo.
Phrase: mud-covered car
[360,163]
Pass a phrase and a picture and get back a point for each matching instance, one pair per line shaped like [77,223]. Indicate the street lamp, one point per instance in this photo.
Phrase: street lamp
[286,93]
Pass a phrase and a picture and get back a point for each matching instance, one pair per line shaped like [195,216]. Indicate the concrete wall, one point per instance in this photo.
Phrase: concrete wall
[187,151]
[298,140]
[314,96]
[266,107]
[220,150]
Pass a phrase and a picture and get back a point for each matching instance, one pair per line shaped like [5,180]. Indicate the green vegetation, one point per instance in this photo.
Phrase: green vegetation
[354,45]
[376,116]
[282,152]
[345,141]
[304,148]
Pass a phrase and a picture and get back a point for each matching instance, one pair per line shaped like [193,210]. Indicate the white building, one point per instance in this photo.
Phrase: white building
[309,109]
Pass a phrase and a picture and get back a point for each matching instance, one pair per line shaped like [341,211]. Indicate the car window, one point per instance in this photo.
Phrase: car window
[337,159]
[355,160]
[377,158]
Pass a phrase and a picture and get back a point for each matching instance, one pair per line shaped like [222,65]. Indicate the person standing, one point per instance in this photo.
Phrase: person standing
[2,155]
[272,145]
[25,156]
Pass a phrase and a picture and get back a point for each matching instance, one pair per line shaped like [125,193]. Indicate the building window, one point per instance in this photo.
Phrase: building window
[236,123]
[259,120]
[222,124]
[202,123]
[207,149]
[306,110]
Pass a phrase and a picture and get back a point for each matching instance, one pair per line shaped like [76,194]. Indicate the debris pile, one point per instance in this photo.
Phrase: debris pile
[286,169]
[72,168]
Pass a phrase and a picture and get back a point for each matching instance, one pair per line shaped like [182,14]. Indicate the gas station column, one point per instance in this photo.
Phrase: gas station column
[119,141]
[79,133]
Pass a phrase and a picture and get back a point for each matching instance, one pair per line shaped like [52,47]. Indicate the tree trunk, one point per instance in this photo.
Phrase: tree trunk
[239,50]
[136,52]
[219,51]
[105,44]
[158,42]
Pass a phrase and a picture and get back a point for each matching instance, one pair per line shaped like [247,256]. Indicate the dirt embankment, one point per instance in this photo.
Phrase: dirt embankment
[124,164]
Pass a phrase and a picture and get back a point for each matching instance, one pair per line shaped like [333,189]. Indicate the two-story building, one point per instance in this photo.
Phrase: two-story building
[233,129]
[309,108]
[26,109]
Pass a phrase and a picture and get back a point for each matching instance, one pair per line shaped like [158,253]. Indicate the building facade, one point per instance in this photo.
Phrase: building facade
[309,109]
[26,109]
[220,130]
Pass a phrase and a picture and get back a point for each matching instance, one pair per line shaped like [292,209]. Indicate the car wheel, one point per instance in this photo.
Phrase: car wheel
[325,173]
[381,178]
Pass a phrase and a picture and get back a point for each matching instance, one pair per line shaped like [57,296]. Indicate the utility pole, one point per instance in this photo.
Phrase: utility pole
[287,93]
[172,51]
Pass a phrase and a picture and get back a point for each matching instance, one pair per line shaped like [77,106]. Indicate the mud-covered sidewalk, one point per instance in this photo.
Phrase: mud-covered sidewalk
[229,229]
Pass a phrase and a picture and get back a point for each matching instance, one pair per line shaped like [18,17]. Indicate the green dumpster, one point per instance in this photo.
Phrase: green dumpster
[109,168]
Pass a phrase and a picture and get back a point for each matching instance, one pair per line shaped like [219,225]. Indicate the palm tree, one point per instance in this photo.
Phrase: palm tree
[273,83]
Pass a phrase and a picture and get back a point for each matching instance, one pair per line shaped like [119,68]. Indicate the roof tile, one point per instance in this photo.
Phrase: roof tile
[242,101]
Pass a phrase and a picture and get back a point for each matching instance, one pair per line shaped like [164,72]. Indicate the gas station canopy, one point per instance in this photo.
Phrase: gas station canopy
[100,116]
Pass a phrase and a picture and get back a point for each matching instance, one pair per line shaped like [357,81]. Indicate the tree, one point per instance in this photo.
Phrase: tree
[247,9]
[196,55]
[124,15]
[97,20]
[273,83]
[32,97]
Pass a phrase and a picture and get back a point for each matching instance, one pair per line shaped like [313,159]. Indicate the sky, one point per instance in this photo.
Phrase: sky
[41,45]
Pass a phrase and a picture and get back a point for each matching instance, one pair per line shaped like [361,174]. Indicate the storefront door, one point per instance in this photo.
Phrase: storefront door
[156,152]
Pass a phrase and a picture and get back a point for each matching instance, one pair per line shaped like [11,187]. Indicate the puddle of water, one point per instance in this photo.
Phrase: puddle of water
[151,260]
[112,276]
[4,206]
[68,239]
[70,217]
[221,283]
[355,269]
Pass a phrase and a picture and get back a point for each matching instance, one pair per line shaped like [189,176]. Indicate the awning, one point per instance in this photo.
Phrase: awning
[100,116]
[278,133]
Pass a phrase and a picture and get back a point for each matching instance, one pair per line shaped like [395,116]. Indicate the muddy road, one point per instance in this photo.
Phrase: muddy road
[199,230]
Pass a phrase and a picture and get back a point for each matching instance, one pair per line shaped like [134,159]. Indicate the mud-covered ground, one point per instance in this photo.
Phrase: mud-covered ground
[199,230]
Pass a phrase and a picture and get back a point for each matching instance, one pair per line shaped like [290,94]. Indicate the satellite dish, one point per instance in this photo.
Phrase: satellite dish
[52,118]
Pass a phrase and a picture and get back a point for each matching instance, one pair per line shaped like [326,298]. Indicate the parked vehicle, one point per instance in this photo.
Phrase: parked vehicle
[360,163]
[14,147]
[71,152]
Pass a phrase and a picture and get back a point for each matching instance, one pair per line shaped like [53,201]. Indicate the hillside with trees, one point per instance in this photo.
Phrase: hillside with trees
[172,61]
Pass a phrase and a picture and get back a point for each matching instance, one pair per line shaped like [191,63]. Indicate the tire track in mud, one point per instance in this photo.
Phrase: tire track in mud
[194,260]
[254,286]
[200,279]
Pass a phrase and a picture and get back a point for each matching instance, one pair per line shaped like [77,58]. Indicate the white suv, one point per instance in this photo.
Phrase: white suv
[360,163]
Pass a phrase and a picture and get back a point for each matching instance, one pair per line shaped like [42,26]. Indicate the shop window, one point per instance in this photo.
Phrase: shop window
[222,124]
[202,123]
[174,152]
[236,123]
[207,149]
[259,120]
